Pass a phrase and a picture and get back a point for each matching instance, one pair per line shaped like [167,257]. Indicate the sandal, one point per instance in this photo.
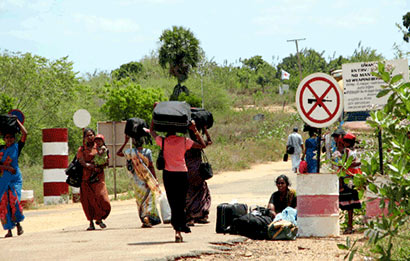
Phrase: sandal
[101,224]
[91,227]
[20,230]
[9,234]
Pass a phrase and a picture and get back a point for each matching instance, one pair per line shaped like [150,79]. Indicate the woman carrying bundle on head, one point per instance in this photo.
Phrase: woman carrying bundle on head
[139,164]
[175,173]
[11,182]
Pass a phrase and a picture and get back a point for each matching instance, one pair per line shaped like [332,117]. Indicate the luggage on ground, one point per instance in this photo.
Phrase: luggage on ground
[226,213]
[8,124]
[202,118]
[253,225]
[282,230]
[134,128]
[172,116]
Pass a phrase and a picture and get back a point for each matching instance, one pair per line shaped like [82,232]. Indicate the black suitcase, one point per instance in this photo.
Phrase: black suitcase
[202,118]
[172,116]
[226,213]
[134,128]
[8,124]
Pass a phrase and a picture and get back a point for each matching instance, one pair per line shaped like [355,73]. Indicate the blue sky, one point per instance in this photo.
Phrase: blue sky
[102,35]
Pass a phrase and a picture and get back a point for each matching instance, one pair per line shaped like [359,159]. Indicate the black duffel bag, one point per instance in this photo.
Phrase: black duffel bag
[172,116]
[8,124]
[134,128]
[202,118]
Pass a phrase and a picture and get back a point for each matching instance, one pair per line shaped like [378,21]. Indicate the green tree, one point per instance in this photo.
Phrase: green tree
[45,91]
[179,52]
[365,54]
[125,99]
[131,70]
[311,62]
[406,24]
[394,190]
[6,103]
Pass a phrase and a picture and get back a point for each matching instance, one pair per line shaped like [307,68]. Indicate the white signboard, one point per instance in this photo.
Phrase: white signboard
[319,100]
[361,87]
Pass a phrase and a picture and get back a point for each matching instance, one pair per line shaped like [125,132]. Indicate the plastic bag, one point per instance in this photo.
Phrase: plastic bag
[165,209]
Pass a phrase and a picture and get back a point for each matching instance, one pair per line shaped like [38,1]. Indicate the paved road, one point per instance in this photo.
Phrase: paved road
[58,233]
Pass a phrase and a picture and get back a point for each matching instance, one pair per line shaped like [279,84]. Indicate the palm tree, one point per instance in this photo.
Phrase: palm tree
[179,53]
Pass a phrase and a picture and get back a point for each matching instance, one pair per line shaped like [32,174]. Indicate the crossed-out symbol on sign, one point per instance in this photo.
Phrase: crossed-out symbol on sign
[319,100]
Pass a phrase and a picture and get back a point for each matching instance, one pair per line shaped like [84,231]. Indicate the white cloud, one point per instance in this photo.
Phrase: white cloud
[95,23]
[153,2]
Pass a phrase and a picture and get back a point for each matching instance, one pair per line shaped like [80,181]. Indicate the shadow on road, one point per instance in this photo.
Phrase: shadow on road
[150,243]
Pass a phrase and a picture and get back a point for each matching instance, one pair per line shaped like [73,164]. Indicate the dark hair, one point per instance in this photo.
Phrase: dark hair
[87,130]
[9,133]
[285,178]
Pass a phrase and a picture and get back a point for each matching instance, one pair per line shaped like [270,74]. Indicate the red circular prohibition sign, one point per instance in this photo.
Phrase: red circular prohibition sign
[319,100]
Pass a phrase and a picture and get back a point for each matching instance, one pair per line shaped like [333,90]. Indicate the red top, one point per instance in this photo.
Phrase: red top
[174,153]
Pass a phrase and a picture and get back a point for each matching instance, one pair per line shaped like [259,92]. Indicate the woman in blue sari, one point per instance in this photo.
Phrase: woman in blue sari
[310,152]
[11,211]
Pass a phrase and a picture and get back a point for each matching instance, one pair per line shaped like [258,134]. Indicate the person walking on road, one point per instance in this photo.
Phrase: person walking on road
[295,141]
[93,195]
[198,201]
[175,174]
[139,164]
[11,182]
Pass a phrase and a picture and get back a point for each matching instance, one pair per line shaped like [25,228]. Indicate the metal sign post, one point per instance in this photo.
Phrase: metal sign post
[319,102]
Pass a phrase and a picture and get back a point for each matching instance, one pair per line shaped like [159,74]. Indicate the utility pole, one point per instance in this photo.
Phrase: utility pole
[297,52]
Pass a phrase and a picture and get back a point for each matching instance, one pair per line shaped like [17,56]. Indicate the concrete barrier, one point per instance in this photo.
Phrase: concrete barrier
[27,198]
[318,204]
[55,161]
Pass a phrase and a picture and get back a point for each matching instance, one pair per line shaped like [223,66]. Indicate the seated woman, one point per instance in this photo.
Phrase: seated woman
[283,198]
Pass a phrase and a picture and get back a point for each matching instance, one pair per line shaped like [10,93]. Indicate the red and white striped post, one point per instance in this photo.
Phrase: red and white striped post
[55,161]
[318,204]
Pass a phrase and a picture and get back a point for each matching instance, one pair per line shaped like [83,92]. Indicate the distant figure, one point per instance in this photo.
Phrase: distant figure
[296,141]
[310,153]
[348,195]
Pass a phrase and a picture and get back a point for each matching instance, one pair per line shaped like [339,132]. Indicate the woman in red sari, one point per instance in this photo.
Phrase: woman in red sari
[93,194]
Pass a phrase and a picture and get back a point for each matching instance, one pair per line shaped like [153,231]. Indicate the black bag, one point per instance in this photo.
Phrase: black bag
[285,157]
[172,116]
[8,124]
[226,213]
[202,118]
[290,149]
[160,163]
[75,173]
[252,226]
[134,128]
[205,168]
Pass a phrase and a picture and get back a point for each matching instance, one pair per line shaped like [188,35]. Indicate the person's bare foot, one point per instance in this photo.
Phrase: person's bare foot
[178,237]
[146,223]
